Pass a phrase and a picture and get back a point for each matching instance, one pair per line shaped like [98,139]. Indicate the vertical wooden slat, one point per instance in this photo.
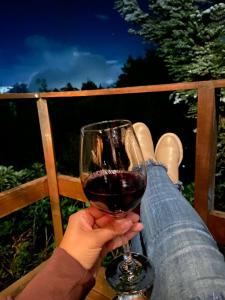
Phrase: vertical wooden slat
[48,148]
[205,150]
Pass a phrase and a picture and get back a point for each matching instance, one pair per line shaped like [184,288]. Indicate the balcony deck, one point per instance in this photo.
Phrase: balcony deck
[54,185]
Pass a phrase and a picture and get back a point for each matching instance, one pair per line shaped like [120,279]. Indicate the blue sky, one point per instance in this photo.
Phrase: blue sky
[63,41]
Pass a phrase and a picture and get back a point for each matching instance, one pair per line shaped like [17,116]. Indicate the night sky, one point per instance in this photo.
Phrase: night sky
[63,41]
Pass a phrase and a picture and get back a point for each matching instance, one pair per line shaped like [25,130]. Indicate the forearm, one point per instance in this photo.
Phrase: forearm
[62,278]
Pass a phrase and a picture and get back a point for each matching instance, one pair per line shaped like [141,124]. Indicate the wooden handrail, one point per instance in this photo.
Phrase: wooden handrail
[23,195]
[71,187]
[116,91]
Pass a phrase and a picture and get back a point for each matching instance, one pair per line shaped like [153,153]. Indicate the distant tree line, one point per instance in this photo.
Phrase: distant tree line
[21,133]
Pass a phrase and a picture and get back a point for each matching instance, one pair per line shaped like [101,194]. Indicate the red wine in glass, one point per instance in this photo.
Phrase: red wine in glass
[114,190]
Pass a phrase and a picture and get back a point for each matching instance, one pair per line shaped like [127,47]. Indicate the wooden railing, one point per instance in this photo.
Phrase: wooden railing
[54,185]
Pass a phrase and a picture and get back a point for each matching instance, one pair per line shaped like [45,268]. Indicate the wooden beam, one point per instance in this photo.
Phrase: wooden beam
[117,91]
[205,150]
[14,96]
[71,187]
[23,195]
[101,290]
[124,90]
[47,143]
[216,225]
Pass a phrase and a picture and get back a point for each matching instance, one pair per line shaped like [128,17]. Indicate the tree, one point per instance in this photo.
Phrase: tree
[89,85]
[189,35]
[143,71]
[68,87]
[19,88]
[41,84]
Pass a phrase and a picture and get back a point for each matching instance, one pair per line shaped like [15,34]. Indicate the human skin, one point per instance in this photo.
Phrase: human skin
[91,233]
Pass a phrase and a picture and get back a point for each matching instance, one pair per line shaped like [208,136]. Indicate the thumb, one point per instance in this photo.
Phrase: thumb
[112,230]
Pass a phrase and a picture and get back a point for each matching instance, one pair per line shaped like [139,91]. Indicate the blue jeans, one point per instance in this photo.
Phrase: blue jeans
[187,262]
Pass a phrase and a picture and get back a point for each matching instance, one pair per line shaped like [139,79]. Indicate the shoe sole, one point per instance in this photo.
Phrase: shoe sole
[178,142]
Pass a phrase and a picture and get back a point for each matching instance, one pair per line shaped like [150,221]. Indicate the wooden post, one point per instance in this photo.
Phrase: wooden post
[49,156]
[205,158]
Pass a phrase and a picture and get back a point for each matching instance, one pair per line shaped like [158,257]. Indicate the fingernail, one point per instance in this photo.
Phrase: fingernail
[141,226]
[138,227]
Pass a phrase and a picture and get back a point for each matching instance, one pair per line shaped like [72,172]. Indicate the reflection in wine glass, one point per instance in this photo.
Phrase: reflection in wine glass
[113,176]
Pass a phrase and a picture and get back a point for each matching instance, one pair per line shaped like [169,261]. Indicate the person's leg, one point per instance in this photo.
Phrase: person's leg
[187,262]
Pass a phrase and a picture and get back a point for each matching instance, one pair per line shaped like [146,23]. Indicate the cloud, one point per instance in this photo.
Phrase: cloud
[59,65]
[40,42]
[76,69]
[102,17]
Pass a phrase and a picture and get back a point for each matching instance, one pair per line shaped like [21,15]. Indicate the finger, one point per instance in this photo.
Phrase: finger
[120,240]
[86,217]
[133,217]
[94,212]
[104,220]
[113,229]
[113,244]
[130,235]
[137,227]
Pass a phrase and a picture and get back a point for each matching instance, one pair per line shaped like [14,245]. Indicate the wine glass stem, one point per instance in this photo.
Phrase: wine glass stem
[126,252]
[128,264]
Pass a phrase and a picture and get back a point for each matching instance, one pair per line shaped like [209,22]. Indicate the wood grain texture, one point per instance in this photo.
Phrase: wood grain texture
[117,91]
[47,142]
[23,195]
[101,290]
[216,225]
[71,187]
[205,150]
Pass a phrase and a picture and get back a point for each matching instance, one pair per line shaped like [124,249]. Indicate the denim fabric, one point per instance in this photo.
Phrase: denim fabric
[188,264]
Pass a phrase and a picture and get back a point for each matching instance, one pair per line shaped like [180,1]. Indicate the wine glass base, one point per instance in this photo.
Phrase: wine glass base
[125,282]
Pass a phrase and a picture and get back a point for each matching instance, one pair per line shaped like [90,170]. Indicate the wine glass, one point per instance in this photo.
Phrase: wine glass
[113,176]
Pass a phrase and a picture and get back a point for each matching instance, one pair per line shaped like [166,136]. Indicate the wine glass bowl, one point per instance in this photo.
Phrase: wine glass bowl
[107,179]
[113,176]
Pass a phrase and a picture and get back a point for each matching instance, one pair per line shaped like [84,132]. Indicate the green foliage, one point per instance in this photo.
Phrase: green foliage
[188,192]
[220,165]
[70,206]
[10,178]
[26,237]
[188,34]
[26,240]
